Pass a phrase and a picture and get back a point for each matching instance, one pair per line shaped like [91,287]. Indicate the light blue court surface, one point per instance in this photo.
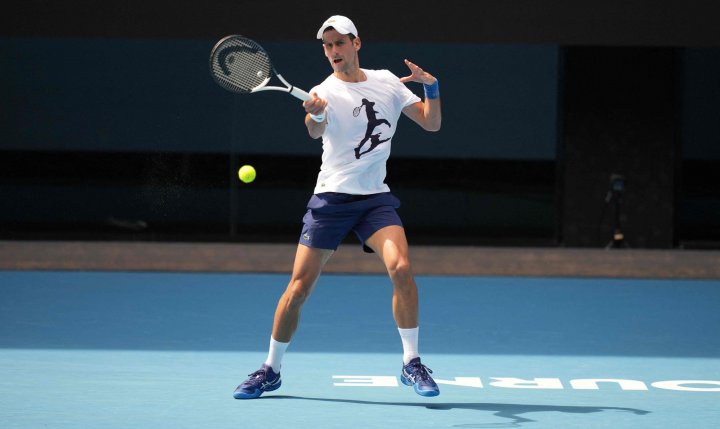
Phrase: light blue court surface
[166,350]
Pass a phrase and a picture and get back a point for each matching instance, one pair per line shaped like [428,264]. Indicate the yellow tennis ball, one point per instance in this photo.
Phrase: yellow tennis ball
[246,173]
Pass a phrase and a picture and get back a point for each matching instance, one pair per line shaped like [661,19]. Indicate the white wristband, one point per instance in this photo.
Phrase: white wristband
[318,118]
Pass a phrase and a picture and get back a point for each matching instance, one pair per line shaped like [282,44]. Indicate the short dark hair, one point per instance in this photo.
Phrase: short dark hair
[352,36]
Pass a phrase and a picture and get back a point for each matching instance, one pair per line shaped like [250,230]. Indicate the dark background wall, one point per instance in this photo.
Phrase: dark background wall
[112,128]
[559,22]
[620,138]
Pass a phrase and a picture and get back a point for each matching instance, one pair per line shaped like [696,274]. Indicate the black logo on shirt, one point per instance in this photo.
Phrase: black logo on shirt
[373,122]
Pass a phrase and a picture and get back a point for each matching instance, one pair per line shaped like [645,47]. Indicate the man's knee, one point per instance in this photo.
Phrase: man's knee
[400,272]
[297,293]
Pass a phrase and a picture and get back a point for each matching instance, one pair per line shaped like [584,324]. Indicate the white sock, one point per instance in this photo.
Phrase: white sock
[409,339]
[275,354]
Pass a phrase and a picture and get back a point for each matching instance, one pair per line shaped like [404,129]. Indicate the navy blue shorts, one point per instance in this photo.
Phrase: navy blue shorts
[331,216]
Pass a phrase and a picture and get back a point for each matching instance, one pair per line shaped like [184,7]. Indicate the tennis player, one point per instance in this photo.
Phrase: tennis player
[355,111]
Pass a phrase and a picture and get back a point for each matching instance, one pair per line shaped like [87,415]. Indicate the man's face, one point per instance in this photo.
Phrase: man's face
[340,51]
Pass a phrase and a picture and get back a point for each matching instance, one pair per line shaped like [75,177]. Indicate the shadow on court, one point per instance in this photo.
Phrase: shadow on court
[512,412]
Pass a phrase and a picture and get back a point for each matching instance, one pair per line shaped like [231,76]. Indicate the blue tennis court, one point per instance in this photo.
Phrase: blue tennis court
[163,349]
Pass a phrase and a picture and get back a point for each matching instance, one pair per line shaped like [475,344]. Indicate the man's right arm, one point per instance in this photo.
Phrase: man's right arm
[315,107]
[315,129]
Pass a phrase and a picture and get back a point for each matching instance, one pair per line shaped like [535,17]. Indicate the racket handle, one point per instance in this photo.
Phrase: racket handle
[299,93]
[304,96]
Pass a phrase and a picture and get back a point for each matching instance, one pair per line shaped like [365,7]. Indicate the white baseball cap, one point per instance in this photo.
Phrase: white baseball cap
[342,24]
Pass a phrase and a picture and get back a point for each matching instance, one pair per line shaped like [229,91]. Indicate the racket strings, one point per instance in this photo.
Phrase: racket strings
[241,64]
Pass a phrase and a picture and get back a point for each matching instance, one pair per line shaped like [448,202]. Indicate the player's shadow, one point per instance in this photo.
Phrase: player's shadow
[508,411]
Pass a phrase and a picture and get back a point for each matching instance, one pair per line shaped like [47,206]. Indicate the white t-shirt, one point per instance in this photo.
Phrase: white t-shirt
[362,117]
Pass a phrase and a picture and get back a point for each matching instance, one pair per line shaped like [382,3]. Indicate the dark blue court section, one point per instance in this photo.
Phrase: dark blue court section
[475,315]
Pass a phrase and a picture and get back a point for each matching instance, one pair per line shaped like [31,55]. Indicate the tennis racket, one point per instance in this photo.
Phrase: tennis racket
[241,65]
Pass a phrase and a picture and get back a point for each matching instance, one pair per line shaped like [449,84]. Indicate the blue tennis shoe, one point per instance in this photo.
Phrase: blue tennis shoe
[260,381]
[417,375]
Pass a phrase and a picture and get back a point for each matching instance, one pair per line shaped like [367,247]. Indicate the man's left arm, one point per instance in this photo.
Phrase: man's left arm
[426,113]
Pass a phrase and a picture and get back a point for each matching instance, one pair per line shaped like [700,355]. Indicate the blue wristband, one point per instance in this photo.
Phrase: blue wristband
[432,91]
